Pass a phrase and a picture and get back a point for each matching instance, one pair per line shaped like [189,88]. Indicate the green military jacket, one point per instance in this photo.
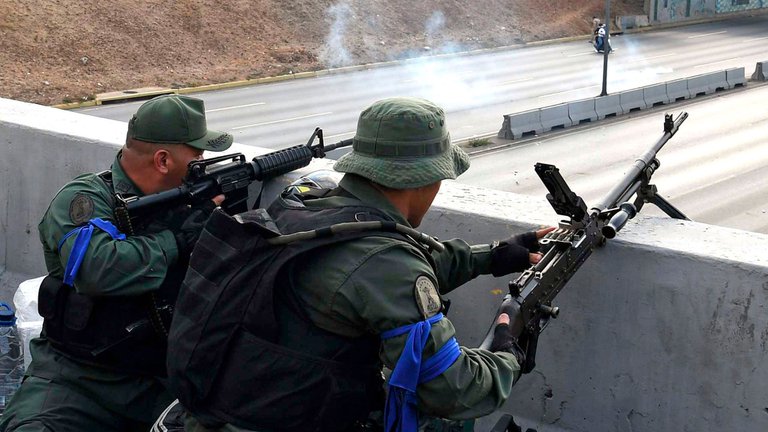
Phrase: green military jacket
[376,284]
[133,266]
[129,267]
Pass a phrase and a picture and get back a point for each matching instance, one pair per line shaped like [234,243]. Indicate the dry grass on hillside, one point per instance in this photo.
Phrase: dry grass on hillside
[53,51]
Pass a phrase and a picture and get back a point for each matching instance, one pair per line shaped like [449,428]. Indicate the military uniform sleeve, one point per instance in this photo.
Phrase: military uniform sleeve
[459,263]
[381,292]
[132,266]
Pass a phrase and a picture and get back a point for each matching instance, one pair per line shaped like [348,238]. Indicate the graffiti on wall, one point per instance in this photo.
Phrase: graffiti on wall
[679,10]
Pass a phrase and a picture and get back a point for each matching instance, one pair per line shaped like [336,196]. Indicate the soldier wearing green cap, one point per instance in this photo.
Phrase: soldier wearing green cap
[371,303]
[99,363]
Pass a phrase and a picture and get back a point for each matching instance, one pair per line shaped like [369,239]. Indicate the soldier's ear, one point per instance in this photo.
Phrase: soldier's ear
[161,161]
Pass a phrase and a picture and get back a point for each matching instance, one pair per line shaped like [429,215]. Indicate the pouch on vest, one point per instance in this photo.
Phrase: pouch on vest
[203,324]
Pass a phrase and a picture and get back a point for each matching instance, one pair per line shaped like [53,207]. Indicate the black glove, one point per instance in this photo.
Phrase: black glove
[188,230]
[504,339]
[511,255]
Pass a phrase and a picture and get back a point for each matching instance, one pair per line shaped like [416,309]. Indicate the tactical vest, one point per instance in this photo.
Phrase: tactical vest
[123,333]
[227,364]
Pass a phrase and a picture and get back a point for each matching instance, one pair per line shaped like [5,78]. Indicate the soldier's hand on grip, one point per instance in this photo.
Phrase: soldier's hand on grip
[516,253]
[503,337]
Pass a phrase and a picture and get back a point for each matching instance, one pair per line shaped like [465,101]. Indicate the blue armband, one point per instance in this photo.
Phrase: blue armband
[401,409]
[82,240]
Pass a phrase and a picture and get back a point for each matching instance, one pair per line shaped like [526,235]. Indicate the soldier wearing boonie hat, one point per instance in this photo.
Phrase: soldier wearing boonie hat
[403,143]
[357,302]
[100,361]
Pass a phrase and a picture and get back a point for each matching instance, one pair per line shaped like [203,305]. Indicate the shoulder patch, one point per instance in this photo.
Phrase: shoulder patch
[427,297]
[81,209]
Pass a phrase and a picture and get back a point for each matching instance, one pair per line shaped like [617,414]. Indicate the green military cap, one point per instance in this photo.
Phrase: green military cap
[175,119]
[403,143]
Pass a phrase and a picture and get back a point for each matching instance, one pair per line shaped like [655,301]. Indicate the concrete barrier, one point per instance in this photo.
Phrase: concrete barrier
[607,106]
[708,83]
[555,117]
[735,77]
[518,124]
[582,111]
[682,300]
[655,95]
[761,71]
[632,100]
[678,90]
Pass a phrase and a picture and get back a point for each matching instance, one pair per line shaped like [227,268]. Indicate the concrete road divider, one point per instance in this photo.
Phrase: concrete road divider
[632,100]
[515,125]
[587,110]
[582,111]
[677,90]
[708,83]
[735,77]
[655,95]
[555,117]
[761,70]
[607,106]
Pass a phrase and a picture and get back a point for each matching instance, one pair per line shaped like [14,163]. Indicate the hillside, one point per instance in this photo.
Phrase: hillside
[58,51]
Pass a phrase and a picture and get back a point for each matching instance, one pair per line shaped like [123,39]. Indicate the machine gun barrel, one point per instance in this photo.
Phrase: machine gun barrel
[623,189]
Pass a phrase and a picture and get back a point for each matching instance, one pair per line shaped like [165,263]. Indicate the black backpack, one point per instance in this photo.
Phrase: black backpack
[226,308]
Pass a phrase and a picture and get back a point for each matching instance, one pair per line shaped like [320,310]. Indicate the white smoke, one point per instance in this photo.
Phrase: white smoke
[335,53]
[433,25]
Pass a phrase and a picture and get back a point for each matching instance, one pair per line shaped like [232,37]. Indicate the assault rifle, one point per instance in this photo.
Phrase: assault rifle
[565,249]
[229,175]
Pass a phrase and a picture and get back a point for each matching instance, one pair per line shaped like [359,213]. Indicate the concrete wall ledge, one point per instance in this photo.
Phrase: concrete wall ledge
[664,328]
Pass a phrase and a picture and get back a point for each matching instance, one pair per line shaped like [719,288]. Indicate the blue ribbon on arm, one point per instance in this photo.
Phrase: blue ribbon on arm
[82,240]
[401,409]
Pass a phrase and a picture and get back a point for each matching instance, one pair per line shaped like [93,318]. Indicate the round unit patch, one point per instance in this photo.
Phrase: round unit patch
[427,297]
[81,209]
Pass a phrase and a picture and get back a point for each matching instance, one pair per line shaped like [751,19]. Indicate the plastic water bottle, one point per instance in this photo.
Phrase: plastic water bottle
[11,355]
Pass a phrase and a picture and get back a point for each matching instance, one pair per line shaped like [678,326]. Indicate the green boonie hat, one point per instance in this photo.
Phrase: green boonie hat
[174,119]
[403,143]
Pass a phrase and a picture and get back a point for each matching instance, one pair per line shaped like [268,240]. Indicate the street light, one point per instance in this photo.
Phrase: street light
[606,47]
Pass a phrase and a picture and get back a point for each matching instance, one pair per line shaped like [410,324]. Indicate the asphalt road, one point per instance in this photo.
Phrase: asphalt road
[476,90]
[714,169]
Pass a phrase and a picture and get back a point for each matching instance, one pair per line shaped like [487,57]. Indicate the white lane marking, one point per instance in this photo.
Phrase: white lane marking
[281,121]
[581,54]
[756,39]
[236,107]
[707,34]
[514,81]
[717,62]
[636,59]
[338,135]
[567,91]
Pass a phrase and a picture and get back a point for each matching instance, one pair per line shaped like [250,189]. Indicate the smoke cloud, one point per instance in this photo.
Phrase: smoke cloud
[335,53]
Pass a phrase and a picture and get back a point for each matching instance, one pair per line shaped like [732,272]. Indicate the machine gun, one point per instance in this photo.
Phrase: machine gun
[229,175]
[565,249]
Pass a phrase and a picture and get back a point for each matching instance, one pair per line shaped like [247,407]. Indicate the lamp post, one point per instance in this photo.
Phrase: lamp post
[606,47]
